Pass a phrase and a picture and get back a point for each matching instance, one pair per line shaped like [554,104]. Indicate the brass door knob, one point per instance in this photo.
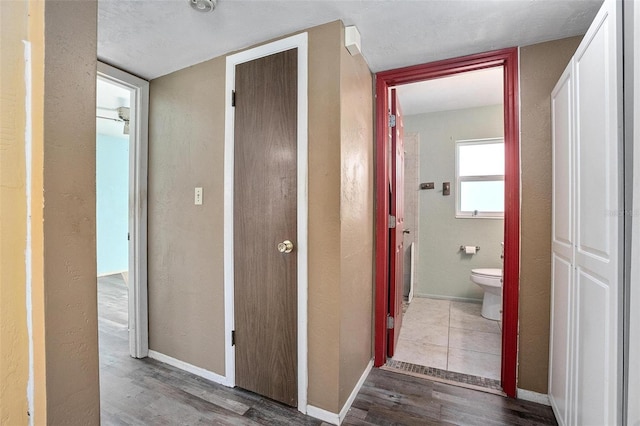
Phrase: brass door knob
[285,247]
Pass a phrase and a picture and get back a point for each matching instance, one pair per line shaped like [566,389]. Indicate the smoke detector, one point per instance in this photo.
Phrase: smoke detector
[203,5]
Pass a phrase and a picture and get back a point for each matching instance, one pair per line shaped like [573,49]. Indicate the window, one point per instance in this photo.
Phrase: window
[480,178]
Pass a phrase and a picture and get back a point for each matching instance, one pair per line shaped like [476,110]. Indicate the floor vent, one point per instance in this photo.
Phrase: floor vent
[452,377]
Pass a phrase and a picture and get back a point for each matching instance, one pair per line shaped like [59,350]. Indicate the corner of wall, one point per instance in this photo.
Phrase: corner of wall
[70,292]
[324,217]
[540,67]
[356,219]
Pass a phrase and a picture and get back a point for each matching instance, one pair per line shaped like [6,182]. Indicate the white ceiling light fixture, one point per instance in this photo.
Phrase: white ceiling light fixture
[203,5]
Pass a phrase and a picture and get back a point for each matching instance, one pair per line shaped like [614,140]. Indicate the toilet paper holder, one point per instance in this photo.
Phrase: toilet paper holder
[462,248]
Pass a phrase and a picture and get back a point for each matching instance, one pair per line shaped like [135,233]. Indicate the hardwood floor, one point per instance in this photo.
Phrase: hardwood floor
[148,392]
[391,398]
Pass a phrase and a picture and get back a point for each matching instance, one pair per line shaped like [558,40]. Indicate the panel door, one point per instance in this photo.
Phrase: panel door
[598,215]
[562,245]
[265,201]
[396,237]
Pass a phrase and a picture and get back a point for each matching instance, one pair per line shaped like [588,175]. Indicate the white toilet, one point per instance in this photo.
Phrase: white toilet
[490,280]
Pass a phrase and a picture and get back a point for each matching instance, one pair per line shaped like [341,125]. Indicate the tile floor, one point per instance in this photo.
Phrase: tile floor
[451,336]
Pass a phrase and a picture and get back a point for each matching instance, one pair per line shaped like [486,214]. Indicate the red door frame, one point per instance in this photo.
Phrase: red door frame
[507,58]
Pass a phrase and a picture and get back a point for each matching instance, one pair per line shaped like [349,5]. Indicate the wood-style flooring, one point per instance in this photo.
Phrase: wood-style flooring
[148,392]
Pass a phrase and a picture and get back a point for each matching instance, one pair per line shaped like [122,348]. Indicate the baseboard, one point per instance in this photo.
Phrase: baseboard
[354,392]
[556,411]
[528,395]
[337,419]
[453,299]
[190,368]
[324,415]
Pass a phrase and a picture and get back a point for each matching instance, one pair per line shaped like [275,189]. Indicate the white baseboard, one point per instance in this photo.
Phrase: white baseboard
[354,392]
[322,414]
[528,395]
[201,372]
[337,419]
[454,299]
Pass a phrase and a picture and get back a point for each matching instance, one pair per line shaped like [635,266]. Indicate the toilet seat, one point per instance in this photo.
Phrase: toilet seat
[487,272]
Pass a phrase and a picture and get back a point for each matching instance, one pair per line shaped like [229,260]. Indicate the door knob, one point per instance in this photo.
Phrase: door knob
[285,247]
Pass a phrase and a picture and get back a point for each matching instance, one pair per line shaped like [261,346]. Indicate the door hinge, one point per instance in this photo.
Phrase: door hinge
[392,221]
[128,236]
[233,98]
[389,322]
[233,337]
[392,120]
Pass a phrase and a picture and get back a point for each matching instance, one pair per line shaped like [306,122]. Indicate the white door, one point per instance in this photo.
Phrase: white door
[598,215]
[586,343]
[562,245]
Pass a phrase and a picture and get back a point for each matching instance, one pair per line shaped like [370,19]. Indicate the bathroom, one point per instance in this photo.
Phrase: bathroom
[454,205]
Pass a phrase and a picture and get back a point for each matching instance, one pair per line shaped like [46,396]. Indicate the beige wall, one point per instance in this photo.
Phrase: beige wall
[443,271]
[356,219]
[14,344]
[540,68]
[62,245]
[186,308]
[70,212]
[185,241]
[324,216]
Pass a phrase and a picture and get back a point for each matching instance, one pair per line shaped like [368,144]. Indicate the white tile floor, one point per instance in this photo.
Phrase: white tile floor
[451,336]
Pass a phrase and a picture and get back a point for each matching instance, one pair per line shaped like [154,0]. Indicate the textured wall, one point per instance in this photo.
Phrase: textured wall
[540,68]
[70,213]
[324,216]
[185,266]
[443,270]
[356,213]
[186,309]
[14,345]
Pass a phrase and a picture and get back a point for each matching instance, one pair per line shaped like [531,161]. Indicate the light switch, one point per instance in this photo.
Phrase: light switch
[198,197]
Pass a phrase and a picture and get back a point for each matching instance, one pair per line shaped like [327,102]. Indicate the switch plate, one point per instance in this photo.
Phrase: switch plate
[427,185]
[198,196]
[446,188]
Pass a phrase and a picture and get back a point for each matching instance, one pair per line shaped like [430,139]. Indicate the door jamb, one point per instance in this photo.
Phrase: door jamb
[138,162]
[508,58]
[299,41]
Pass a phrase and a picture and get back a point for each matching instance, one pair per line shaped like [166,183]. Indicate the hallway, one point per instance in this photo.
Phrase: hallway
[143,392]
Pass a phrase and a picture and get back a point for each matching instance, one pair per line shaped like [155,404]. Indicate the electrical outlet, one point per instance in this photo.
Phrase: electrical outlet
[198,197]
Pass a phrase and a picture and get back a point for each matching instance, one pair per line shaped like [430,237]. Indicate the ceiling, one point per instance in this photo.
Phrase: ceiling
[151,38]
[467,90]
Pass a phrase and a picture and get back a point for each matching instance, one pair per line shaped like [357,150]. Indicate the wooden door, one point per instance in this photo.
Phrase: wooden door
[598,218]
[265,215]
[396,236]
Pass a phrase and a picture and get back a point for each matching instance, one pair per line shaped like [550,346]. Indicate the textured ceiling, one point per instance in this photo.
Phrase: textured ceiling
[151,38]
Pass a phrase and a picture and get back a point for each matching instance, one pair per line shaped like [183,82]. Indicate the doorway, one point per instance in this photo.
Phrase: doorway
[279,247]
[113,104]
[453,135]
[121,167]
[506,58]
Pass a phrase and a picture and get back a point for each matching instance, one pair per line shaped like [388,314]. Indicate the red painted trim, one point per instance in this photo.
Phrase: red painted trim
[382,224]
[509,59]
[511,277]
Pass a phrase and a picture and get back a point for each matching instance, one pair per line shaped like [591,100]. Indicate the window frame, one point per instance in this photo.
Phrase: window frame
[477,178]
